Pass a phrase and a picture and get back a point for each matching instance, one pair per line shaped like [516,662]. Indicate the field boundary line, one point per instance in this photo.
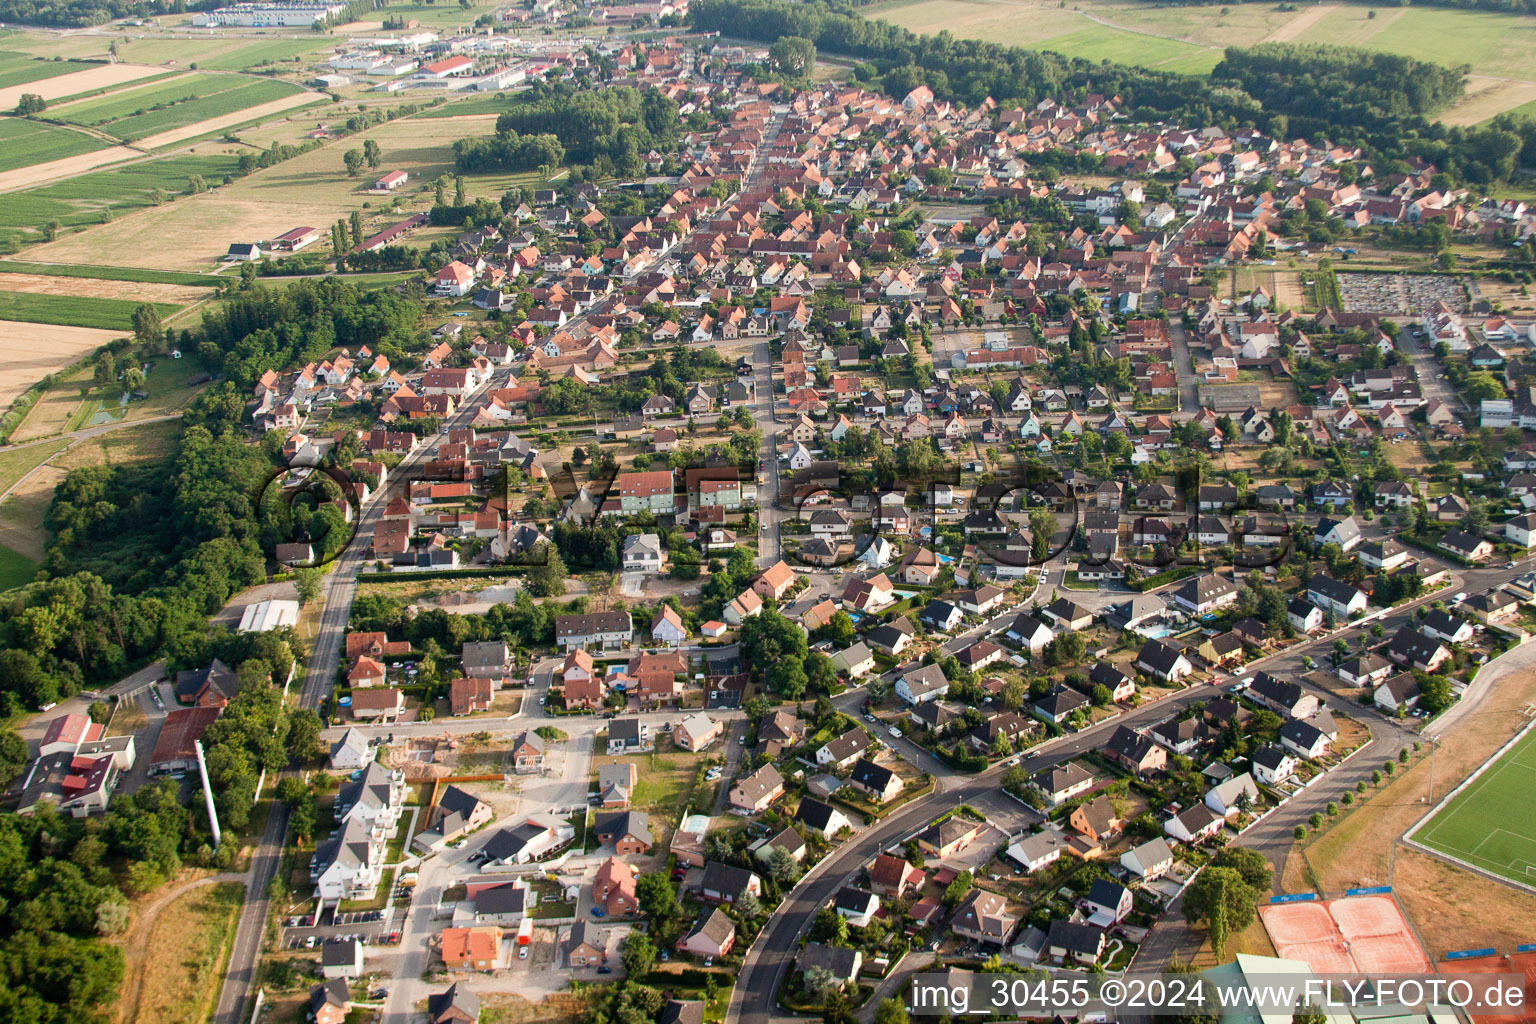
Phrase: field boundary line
[1409,839]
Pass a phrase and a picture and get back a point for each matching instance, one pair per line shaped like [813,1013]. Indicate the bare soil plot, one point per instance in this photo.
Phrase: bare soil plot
[103,77]
[213,124]
[37,174]
[29,352]
[86,287]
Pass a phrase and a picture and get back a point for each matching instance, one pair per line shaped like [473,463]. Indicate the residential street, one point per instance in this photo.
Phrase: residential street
[754,999]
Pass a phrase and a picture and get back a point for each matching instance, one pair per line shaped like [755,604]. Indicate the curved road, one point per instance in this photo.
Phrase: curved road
[754,999]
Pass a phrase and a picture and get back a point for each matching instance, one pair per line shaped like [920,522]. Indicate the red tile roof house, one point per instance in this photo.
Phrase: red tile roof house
[613,888]
[467,696]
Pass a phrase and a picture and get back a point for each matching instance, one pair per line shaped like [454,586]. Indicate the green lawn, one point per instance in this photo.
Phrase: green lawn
[138,113]
[16,568]
[73,310]
[1485,825]
[17,463]
[138,274]
[24,143]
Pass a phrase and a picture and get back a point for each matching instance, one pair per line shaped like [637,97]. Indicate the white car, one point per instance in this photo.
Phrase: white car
[895,732]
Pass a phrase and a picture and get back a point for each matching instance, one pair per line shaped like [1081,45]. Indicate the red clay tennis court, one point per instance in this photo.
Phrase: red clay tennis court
[1515,963]
[1354,935]
[1305,932]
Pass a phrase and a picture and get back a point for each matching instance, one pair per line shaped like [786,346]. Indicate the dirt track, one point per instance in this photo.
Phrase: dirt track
[1299,24]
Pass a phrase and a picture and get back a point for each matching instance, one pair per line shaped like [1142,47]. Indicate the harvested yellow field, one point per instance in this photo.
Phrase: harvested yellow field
[104,77]
[203,226]
[37,174]
[1488,97]
[42,284]
[30,352]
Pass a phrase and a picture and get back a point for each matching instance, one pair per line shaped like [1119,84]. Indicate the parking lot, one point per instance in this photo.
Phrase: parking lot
[374,927]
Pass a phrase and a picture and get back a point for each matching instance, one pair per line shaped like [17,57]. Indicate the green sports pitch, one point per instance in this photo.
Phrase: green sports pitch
[1489,824]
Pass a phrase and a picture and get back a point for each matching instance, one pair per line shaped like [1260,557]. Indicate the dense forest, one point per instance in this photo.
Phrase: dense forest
[83,13]
[1377,101]
[140,555]
[612,128]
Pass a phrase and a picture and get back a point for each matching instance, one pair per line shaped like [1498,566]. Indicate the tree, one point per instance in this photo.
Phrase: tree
[304,736]
[1249,864]
[956,890]
[547,577]
[372,154]
[891,1011]
[655,896]
[30,103]
[106,370]
[111,918]
[13,755]
[1306,1013]
[1223,901]
[782,868]
[355,222]
[794,55]
[306,581]
[788,678]
[820,985]
[353,158]
[147,329]
[638,955]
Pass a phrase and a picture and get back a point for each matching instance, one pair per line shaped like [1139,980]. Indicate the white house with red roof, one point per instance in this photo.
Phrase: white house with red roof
[456,279]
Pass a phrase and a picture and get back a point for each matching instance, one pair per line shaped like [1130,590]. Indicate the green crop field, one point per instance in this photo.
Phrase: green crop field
[24,143]
[137,113]
[137,274]
[219,53]
[1484,825]
[73,310]
[81,200]
[21,68]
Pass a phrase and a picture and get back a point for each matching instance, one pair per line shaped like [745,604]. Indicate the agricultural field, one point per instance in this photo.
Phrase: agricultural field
[21,68]
[82,200]
[24,143]
[33,351]
[73,311]
[70,289]
[311,189]
[1476,826]
[109,273]
[183,101]
[90,78]
[219,53]
[1188,38]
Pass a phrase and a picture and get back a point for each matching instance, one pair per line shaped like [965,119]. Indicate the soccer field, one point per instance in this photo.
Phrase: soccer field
[1489,824]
